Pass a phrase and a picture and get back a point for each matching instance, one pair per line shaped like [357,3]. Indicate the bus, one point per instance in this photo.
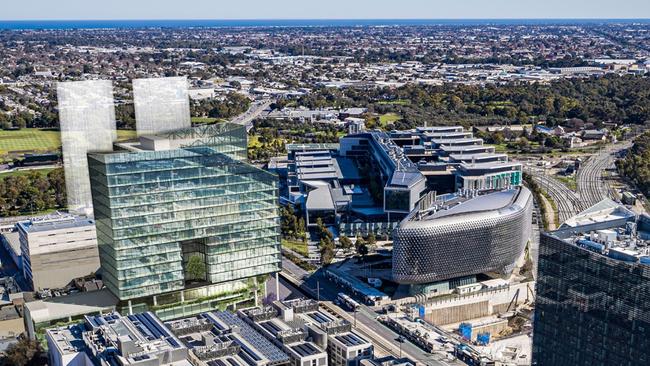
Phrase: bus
[347,301]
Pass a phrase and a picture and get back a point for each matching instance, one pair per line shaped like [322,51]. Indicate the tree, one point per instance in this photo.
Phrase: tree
[322,230]
[326,251]
[363,250]
[196,268]
[25,352]
[359,243]
[372,240]
[345,242]
[57,181]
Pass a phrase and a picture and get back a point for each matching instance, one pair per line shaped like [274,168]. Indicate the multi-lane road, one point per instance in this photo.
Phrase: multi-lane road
[256,108]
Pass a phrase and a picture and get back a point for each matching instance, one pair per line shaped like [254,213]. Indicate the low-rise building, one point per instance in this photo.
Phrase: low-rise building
[217,339]
[343,345]
[111,339]
[57,248]
[290,335]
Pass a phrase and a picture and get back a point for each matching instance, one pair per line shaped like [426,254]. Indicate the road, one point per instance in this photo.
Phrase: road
[366,322]
[253,112]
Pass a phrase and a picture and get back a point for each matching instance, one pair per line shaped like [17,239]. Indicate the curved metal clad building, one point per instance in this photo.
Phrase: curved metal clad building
[483,234]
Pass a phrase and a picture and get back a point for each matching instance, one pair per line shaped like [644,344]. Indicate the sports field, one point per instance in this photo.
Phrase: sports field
[34,140]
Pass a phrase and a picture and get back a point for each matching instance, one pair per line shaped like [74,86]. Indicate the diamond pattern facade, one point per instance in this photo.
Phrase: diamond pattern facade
[463,244]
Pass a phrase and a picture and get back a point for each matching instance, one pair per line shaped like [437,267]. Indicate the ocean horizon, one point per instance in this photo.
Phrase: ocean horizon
[270,23]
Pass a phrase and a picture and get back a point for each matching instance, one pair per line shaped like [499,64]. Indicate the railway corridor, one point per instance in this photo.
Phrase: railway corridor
[591,185]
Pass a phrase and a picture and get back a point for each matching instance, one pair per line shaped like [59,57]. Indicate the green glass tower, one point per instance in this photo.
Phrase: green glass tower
[183,220]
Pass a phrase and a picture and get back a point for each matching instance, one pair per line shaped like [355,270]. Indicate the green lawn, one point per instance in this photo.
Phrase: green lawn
[123,135]
[396,102]
[388,118]
[254,141]
[205,120]
[24,172]
[501,148]
[29,140]
[35,140]
[297,246]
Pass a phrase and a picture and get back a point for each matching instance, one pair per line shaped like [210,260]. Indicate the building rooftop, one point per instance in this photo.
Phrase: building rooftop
[54,221]
[405,172]
[448,135]
[216,343]
[308,147]
[320,198]
[601,213]
[467,149]
[112,339]
[490,165]
[68,340]
[215,134]
[268,349]
[467,202]
[469,141]
[477,157]
[609,229]
[440,129]
[13,239]
[71,305]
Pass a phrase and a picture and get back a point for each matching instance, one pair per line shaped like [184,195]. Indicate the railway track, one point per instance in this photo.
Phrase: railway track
[566,200]
[592,187]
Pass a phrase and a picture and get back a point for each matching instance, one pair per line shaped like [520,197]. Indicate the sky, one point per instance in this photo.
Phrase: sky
[320,9]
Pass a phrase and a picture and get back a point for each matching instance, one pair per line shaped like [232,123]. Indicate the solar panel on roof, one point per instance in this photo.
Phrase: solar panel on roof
[245,350]
[93,322]
[268,349]
[247,358]
[154,323]
[173,342]
[273,328]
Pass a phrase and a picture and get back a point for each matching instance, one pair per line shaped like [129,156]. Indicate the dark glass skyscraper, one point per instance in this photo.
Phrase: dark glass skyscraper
[593,305]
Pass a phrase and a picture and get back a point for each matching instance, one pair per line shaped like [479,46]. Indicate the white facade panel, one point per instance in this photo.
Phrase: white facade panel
[161,105]
[87,120]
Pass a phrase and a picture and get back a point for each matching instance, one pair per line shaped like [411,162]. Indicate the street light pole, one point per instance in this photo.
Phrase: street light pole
[318,291]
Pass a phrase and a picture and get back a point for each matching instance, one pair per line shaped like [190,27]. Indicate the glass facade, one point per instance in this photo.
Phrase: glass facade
[155,209]
[490,181]
[87,122]
[397,200]
[161,104]
[591,309]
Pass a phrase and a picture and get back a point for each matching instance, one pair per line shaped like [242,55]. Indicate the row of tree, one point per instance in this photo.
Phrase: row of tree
[292,226]
[234,104]
[635,166]
[32,192]
[624,99]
